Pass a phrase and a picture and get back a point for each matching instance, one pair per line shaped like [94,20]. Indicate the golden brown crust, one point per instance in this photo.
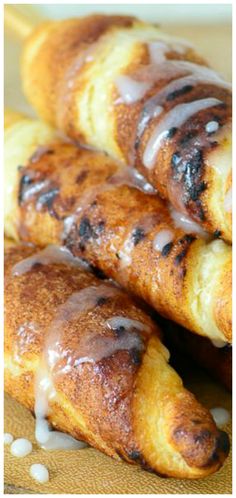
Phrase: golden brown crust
[74,87]
[63,44]
[171,280]
[32,301]
[100,402]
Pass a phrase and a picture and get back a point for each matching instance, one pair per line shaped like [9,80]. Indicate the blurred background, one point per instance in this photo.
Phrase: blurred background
[206,26]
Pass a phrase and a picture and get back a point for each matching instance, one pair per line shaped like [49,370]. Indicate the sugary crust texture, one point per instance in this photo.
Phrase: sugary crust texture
[69,72]
[176,281]
[132,409]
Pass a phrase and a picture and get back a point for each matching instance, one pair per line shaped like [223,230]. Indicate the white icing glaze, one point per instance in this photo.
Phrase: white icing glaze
[153,106]
[131,90]
[92,347]
[125,254]
[220,415]
[69,221]
[39,473]
[159,48]
[163,238]
[187,224]
[131,177]
[26,337]
[157,51]
[201,71]
[7,438]
[212,126]
[30,190]
[21,447]
[51,254]
[228,201]
[173,119]
[48,439]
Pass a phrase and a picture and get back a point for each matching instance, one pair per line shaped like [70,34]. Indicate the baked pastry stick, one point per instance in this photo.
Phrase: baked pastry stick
[101,211]
[85,350]
[123,86]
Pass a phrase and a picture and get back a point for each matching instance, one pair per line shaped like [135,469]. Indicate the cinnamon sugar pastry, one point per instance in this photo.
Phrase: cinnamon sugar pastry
[109,216]
[81,353]
[123,86]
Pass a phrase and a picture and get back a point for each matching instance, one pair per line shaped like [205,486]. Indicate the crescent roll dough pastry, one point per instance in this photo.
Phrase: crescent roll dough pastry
[107,214]
[123,86]
[106,378]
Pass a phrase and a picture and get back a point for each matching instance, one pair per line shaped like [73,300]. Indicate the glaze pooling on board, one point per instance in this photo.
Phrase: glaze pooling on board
[7,438]
[21,447]
[39,473]
[221,416]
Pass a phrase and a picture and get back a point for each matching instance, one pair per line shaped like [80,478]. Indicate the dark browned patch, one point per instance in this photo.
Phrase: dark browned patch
[101,301]
[119,331]
[204,435]
[85,229]
[37,266]
[171,132]
[46,199]
[186,241]
[217,234]
[177,93]
[97,272]
[25,181]
[81,176]
[136,356]
[166,249]
[138,234]
[135,455]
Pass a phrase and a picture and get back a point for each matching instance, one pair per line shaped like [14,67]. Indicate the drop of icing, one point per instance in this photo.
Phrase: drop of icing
[131,90]
[125,254]
[163,238]
[48,439]
[212,126]
[7,438]
[187,224]
[39,473]
[21,447]
[220,415]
